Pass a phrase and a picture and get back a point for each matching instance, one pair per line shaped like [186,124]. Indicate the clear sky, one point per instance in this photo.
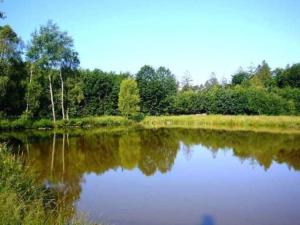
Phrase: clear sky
[184,35]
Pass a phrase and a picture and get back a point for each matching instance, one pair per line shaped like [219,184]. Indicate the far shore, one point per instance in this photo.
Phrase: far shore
[290,124]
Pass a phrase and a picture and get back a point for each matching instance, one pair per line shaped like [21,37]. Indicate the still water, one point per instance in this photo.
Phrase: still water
[170,176]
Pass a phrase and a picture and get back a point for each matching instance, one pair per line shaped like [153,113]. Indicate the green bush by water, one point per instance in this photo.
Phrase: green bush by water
[22,200]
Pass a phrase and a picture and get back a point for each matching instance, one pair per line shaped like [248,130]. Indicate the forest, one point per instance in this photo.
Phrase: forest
[43,79]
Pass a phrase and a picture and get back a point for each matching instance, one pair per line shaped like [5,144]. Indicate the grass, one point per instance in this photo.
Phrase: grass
[22,200]
[85,122]
[264,123]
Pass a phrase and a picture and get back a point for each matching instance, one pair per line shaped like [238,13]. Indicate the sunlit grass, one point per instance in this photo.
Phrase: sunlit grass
[23,201]
[269,123]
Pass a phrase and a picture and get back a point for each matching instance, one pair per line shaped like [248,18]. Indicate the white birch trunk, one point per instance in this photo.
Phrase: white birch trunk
[51,96]
[62,94]
[28,93]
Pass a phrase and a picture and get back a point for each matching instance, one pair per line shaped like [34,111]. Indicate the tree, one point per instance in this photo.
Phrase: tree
[155,88]
[186,81]
[239,77]
[51,50]
[211,82]
[12,72]
[69,62]
[263,75]
[129,150]
[74,96]
[289,77]
[129,98]
[101,91]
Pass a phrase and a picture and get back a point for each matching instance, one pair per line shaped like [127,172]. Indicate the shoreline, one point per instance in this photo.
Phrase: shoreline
[274,124]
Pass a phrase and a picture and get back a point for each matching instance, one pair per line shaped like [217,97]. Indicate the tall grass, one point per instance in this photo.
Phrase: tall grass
[279,123]
[85,122]
[96,121]
[22,200]
[288,123]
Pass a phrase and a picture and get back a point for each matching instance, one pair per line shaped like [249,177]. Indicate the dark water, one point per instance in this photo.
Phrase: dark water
[170,176]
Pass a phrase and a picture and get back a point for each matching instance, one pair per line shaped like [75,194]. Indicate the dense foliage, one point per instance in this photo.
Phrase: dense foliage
[24,201]
[48,84]
[129,98]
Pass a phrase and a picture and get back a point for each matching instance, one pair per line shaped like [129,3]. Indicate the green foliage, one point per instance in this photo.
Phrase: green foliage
[129,98]
[138,117]
[233,101]
[189,102]
[240,77]
[290,94]
[51,50]
[74,96]
[21,123]
[52,62]
[23,200]
[103,121]
[12,70]
[263,75]
[101,92]
[50,47]
[155,87]
[266,123]
[43,123]
[289,77]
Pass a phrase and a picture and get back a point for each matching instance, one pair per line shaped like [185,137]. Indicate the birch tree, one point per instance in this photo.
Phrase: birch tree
[52,50]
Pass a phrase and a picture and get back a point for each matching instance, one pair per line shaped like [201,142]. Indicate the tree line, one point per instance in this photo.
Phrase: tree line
[43,80]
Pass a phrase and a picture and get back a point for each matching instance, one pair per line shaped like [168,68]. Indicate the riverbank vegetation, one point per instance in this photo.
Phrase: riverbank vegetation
[254,123]
[23,200]
[224,122]
[86,122]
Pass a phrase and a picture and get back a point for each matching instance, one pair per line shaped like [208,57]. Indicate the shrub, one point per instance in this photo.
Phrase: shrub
[21,123]
[43,123]
[138,117]
[23,201]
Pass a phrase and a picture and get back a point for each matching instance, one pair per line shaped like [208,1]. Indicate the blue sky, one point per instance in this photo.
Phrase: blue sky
[184,35]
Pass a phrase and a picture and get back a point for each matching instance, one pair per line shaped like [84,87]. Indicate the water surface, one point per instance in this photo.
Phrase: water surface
[169,176]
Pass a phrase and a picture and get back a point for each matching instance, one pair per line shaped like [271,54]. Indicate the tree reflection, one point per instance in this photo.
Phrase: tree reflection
[129,150]
[62,159]
[159,151]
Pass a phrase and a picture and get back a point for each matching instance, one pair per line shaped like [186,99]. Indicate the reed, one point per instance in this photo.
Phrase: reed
[267,123]
[23,201]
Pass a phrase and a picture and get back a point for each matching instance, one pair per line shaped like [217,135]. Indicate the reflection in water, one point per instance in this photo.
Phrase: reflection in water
[63,159]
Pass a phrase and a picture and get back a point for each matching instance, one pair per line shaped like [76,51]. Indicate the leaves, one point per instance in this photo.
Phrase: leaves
[129,98]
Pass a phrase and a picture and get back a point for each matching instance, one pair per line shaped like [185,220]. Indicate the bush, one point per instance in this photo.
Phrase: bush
[21,123]
[43,123]
[23,201]
[5,124]
[290,94]
[235,101]
[261,102]
[138,117]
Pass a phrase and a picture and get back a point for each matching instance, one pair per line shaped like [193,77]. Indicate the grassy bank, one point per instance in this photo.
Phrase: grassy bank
[86,122]
[264,123]
[22,200]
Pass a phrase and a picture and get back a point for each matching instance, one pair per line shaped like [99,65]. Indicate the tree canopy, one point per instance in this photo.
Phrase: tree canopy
[49,83]
[129,98]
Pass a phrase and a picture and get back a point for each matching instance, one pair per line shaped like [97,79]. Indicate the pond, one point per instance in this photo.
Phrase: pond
[169,176]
